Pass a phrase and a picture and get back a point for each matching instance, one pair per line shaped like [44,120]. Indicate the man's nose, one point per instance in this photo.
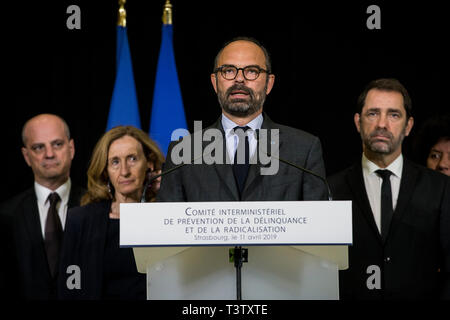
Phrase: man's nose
[240,76]
[49,153]
[382,121]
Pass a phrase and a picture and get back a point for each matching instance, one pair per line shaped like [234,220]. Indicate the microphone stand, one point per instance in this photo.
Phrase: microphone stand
[149,181]
[330,196]
[238,255]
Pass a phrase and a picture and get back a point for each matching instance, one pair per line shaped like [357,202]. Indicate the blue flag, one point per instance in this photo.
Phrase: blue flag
[167,109]
[124,108]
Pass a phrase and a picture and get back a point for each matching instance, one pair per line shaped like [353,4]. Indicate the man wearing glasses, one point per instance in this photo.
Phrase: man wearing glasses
[242,78]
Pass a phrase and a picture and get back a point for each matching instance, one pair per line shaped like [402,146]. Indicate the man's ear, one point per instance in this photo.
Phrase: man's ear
[214,81]
[270,82]
[409,126]
[357,119]
[72,148]
[26,156]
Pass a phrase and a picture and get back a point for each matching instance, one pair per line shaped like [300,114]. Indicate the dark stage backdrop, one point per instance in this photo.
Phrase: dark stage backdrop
[323,55]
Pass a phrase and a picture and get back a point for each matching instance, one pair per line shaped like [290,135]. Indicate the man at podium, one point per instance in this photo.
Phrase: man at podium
[242,78]
[400,210]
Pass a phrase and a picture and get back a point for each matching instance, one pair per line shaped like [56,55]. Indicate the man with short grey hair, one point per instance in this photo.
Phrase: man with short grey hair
[35,218]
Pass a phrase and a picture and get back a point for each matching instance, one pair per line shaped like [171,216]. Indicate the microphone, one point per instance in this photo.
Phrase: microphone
[330,197]
[149,181]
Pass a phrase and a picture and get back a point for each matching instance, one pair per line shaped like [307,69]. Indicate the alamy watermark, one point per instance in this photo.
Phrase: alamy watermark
[74,20]
[191,149]
[374,20]
[374,279]
[74,279]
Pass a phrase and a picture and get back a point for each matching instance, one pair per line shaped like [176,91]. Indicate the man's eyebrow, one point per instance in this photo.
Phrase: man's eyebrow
[232,65]
[388,110]
[57,140]
[253,65]
[394,110]
[37,144]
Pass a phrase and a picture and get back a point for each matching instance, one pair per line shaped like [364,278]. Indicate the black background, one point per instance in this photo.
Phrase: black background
[322,55]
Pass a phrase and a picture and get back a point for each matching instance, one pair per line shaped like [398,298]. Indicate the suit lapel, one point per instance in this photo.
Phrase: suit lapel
[75,196]
[31,220]
[30,216]
[254,172]
[225,173]
[356,182]
[407,185]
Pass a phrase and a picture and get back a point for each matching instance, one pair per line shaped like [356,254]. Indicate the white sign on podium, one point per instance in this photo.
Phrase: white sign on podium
[235,223]
[295,247]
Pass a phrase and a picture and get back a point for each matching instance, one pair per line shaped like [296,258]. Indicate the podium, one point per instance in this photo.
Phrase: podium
[294,265]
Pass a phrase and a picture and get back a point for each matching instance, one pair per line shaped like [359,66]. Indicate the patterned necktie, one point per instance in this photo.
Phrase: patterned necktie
[53,233]
[240,168]
[386,202]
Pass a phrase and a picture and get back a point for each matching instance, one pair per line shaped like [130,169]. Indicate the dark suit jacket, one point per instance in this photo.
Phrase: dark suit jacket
[216,182]
[414,249]
[84,246]
[26,271]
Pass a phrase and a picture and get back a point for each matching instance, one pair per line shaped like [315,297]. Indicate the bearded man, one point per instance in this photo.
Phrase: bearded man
[242,79]
[401,224]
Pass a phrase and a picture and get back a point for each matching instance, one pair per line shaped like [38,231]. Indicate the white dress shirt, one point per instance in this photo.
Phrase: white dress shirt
[373,184]
[42,194]
[232,139]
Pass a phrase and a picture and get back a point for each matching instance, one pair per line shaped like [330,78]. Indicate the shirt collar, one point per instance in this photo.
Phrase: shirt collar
[395,167]
[228,125]
[42,192]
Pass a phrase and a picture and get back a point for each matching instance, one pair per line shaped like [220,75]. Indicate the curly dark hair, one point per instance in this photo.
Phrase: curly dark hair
[433,130]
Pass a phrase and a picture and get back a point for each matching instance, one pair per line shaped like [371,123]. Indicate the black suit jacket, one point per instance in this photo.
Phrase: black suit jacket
[26,273]
[415,247]
[84,245]
[216,182]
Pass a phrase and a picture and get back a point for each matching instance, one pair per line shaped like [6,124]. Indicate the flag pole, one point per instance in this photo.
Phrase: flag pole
[168,119]
[124,109]
[122,17]
[167,13]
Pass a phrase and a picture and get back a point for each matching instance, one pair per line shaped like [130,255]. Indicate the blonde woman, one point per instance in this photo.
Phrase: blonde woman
[121,163]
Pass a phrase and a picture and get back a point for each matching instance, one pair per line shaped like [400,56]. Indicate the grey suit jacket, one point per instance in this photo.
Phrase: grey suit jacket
[216,182]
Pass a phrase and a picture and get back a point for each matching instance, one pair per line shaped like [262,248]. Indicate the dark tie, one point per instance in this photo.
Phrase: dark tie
[240,170]
[53,233]
[386,202]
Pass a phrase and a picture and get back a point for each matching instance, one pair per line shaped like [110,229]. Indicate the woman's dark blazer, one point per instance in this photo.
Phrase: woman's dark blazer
[83,253]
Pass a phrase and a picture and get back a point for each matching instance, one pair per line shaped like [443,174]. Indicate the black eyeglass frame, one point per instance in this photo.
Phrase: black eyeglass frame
[243,71]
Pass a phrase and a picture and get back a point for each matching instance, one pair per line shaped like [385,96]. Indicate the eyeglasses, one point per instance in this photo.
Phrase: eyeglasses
[230,72]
